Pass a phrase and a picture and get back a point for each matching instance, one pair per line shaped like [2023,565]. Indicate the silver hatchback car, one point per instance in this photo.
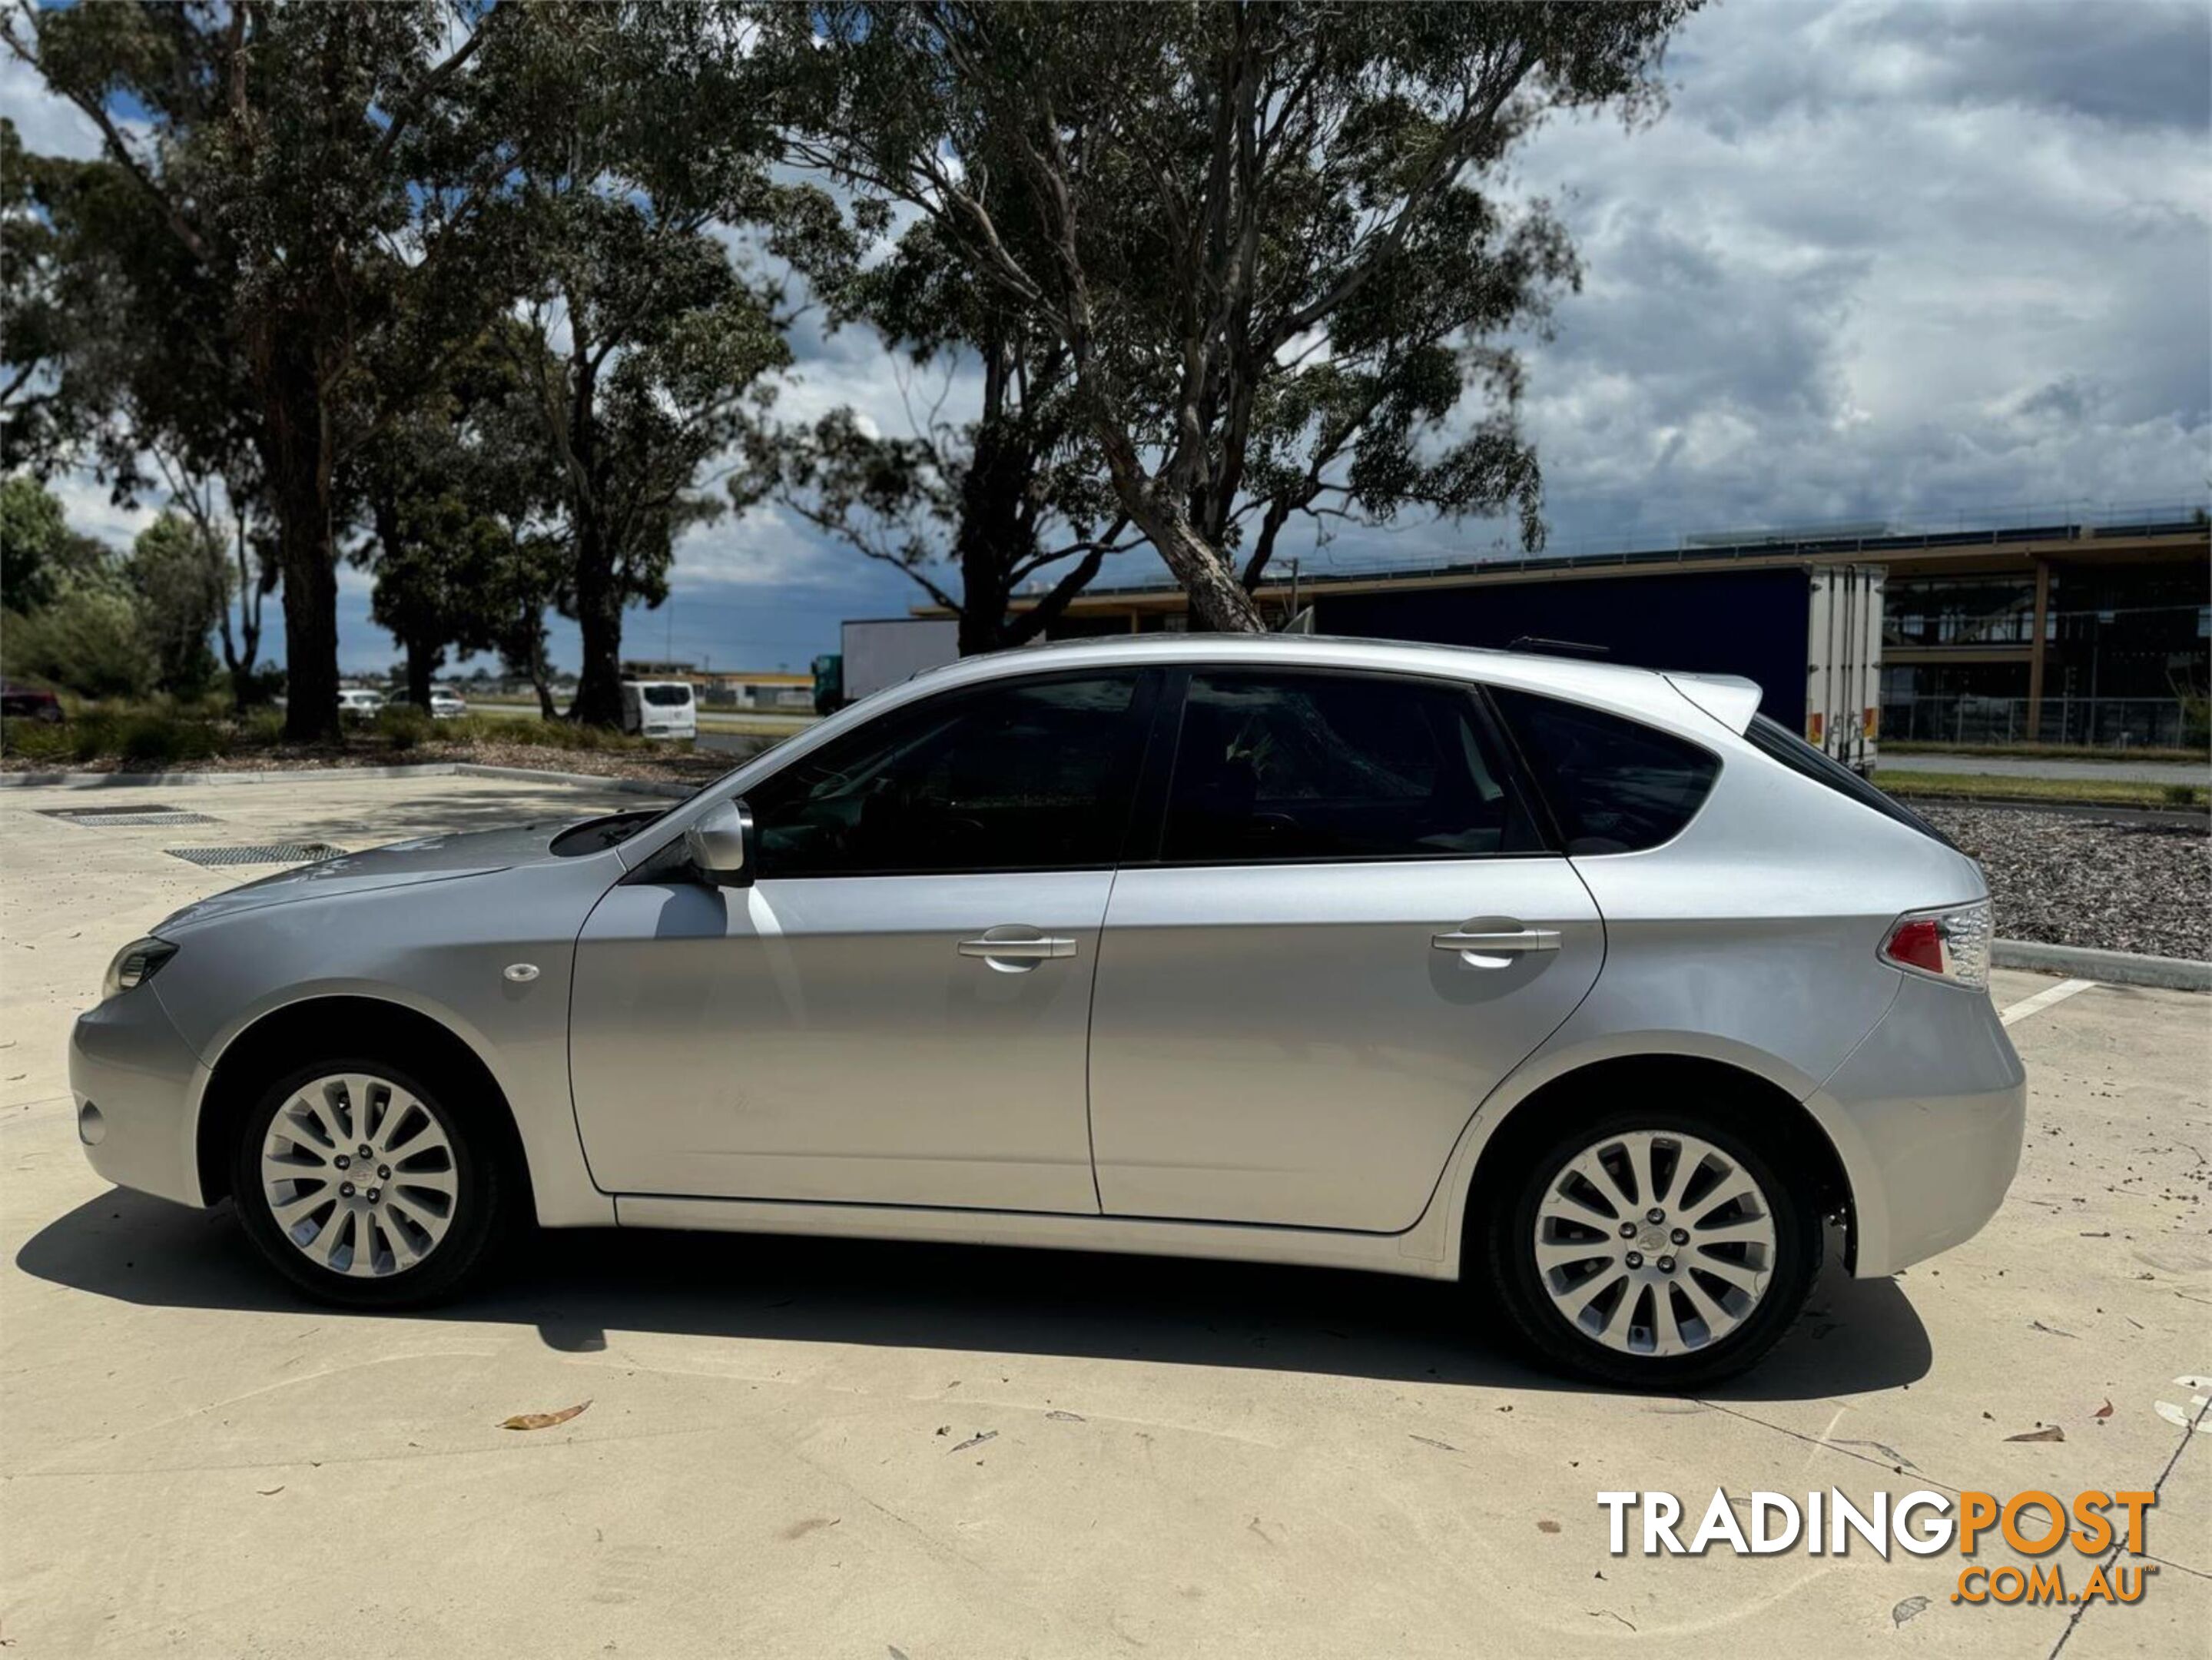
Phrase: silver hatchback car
[1586,983]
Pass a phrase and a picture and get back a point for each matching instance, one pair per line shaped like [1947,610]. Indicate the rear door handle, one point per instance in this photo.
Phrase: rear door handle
[1017,952]
[1495,950]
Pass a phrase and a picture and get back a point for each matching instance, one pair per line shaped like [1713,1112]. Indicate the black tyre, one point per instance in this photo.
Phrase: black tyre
[1656,1249]
[362,1183]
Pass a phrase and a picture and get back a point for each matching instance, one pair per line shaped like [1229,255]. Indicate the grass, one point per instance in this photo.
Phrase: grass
[2046,752]
[159,734]
[2078,792]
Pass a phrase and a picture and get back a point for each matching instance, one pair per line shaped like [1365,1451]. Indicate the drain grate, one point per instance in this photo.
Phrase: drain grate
[142,813]
[87,818]
[263,853]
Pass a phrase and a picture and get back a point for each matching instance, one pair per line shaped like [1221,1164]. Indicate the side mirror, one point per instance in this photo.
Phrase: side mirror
[720,844]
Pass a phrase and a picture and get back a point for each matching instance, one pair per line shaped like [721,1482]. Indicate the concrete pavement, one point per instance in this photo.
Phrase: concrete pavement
[798,1448]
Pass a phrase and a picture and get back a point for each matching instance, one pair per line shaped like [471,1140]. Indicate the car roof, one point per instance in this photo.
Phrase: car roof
[1647,693]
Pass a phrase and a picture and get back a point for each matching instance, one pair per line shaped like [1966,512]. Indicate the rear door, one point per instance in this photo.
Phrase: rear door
[1347,928]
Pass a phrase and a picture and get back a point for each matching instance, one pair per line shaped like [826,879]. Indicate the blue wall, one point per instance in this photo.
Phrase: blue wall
[1750,622]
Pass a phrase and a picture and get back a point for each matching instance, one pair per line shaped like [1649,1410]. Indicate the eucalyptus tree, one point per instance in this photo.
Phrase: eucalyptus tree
[292,202]
[643,193]
[43,317]
[1270,238]
[450,489]
[180,576]
[1007,493]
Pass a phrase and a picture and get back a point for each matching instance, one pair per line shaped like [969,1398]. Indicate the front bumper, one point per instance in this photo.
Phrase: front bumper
[1927,1115]
[135,1080]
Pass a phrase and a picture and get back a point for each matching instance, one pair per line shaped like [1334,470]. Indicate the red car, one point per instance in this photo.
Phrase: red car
[21,702]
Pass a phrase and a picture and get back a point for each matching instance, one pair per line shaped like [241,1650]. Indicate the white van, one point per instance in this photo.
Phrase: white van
[659,709]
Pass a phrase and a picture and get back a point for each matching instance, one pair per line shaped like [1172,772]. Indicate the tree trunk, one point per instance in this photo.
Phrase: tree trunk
[423,654]
[245,689]
[1218,603]
[310,628]
[295,460]
[598,619]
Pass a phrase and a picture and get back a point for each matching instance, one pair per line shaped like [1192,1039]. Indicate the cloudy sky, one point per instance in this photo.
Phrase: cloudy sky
[1898,262]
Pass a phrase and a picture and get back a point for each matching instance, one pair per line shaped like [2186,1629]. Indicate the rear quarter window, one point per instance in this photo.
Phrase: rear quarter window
[1772,738]
[1615,785]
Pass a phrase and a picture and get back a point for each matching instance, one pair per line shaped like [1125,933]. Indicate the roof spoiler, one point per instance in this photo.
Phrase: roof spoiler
[1543,647]
[1729,698]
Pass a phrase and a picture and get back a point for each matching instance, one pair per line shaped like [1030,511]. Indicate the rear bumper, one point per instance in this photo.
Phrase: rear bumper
[133,1079]
[1927,1115]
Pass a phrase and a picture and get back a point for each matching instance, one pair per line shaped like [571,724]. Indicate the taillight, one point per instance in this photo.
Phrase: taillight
[1952,943]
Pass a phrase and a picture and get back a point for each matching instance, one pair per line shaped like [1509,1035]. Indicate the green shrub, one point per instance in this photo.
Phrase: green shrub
[36,740]
[2181,795]
[261,728]
[159,738]
[92,735]
[88,640]
[403,728]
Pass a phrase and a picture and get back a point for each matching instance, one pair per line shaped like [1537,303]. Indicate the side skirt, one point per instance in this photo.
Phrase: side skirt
[1382,1253]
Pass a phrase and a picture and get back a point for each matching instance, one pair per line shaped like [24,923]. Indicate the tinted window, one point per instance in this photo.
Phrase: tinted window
[1032,775]
[1774,738]
[668,698]
[1317,766]
[1616,786]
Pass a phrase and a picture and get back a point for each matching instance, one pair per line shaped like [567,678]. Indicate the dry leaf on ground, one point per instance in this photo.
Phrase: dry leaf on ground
[543,1421]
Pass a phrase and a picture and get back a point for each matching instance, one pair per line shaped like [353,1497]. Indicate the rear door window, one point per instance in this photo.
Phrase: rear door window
[1273,767]
[1615,785]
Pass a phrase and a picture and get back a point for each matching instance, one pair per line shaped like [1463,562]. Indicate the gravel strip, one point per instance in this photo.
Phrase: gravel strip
[2066,880]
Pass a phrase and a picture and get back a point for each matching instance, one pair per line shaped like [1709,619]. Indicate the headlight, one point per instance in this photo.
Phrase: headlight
[135,964]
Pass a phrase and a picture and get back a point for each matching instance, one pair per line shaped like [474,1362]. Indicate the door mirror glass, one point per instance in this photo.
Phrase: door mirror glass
[720,844]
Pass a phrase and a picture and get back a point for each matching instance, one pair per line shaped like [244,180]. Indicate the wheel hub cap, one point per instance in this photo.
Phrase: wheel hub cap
[350,1125]
[1652,1242]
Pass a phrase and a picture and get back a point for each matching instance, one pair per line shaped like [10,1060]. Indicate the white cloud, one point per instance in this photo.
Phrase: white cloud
[49,125]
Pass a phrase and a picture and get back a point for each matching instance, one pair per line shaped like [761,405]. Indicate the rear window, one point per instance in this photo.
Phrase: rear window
[1617,786]
[1772,738]
[668,698]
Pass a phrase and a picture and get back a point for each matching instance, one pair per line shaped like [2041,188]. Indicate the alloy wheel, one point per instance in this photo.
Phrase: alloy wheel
[1653,1243]
[360,1176]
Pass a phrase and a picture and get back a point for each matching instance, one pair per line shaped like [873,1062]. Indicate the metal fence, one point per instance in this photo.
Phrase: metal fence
[2116,722]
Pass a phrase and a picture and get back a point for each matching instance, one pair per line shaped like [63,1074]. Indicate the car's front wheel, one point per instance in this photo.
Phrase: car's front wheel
[1662,1250]
[362,1183]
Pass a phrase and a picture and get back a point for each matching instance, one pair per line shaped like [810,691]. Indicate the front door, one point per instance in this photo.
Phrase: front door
[896,1012]
[1351,932]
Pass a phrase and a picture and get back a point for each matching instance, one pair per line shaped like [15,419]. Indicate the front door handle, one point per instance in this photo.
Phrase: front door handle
[1016,952]
[1486,949]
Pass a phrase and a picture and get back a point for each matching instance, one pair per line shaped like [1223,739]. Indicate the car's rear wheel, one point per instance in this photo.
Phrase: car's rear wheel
[1654,1249]
[364,1184]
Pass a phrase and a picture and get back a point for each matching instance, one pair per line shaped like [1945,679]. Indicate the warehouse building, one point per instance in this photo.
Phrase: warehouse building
[2088,630]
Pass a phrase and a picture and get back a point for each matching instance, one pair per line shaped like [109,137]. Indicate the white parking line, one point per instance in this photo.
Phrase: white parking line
[2043,999]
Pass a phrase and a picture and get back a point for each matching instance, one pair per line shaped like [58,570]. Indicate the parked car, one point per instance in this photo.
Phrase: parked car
[359,703]
[445,703]
[659,709]
[1579,980]
[21,702]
